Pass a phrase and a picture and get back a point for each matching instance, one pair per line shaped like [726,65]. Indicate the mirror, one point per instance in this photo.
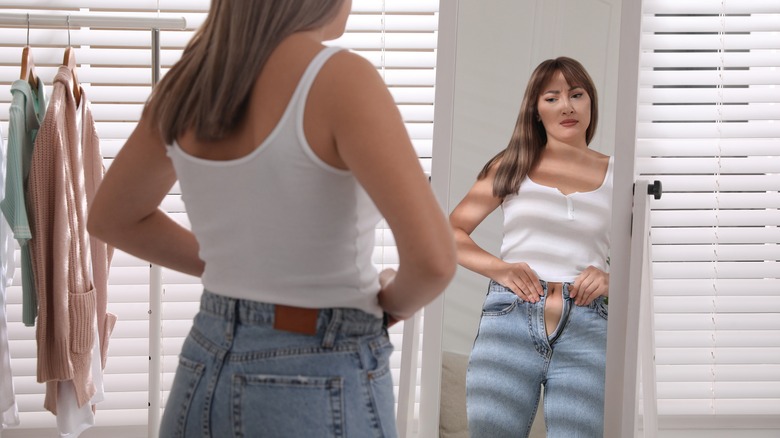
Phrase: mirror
[498,44]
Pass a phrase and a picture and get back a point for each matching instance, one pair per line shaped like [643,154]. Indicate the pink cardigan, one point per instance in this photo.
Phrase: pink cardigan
[64,175]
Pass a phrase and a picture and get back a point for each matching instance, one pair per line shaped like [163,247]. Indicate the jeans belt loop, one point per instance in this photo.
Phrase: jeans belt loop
[334,326]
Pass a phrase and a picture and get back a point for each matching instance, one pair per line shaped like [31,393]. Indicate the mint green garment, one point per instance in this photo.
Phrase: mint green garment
[26,113]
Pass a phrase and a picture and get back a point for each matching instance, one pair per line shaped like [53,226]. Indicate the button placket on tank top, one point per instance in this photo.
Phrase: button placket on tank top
[569,207]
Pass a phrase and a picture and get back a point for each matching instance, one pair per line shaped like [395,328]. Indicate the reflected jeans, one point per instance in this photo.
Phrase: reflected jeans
[513,357]
[239,377]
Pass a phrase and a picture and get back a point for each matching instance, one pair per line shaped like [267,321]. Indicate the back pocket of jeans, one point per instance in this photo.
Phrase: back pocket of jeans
[285,406]
[380,380]
[188,375]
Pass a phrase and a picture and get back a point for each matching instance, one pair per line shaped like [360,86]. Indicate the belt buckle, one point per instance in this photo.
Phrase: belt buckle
[295,319]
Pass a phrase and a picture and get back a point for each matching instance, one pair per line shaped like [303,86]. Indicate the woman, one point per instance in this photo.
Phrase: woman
[544,318]
[285,150]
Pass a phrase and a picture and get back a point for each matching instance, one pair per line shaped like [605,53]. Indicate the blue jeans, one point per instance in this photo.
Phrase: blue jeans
[239,377]
[513,357]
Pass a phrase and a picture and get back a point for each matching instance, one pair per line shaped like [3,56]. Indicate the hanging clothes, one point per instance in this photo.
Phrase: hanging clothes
[70,303]
[101,253]
[73,419]
[26,114]
[9,412]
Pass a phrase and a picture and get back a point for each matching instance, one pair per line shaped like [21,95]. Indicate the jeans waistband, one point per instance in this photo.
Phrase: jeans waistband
[498,287]
[346,321]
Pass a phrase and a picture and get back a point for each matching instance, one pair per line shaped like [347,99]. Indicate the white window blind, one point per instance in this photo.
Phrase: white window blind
[398,36]
[709,129]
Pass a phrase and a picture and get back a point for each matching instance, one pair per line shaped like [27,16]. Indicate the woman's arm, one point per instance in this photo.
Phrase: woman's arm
[478,203]
[373,143]
[125,212]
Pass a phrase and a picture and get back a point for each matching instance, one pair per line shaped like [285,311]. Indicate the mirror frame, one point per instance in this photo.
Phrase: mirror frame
[443,114]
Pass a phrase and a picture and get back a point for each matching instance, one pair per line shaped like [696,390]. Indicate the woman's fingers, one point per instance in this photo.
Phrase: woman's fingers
[584,291]
[522,290]
[522,280]
[589,285]
[531,283]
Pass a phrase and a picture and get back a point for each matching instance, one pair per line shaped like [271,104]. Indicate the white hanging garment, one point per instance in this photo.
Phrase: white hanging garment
[9,413]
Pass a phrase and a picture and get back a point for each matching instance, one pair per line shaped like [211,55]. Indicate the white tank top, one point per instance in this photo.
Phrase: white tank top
[279,225]
[558,235]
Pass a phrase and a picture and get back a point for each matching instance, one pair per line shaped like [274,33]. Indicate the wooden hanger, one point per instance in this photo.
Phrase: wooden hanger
[28,65]
[70,61]
[28,68]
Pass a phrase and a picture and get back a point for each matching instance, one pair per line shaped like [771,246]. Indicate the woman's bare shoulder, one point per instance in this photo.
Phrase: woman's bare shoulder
[348,85]
[348,69]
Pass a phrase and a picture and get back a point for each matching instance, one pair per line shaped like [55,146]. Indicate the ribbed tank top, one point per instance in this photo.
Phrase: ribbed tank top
[558,235]
[280,225]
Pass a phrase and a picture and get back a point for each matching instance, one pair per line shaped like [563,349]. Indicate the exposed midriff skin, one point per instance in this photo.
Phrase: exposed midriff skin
[553,306]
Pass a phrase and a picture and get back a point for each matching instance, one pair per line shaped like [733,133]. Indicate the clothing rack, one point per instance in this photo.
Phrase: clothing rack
[83,20]
[153,24]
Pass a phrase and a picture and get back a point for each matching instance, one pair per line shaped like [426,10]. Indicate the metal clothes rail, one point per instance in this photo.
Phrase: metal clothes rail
[83,20]
[154,25]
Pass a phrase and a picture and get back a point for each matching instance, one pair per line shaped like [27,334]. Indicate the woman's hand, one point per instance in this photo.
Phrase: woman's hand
[589,285]
[521,279]
[386,278]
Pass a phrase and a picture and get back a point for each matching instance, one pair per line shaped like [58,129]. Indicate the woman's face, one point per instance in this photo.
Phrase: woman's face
[336,28]
[564,110]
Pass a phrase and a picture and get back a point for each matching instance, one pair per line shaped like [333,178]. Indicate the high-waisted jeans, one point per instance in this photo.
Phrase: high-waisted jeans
[239,377]
[513,357]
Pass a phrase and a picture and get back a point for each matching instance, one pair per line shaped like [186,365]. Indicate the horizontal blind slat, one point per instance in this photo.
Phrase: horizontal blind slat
[724,286]
[683,129]
[724,165]
[715,40]
[724,183]
[712,59]
[685,253]
[749,409]
[682,95]
[666,78]
[710,23]
[680,7]
[698,147]
[721,235]
[723,338]
[704,270]
[703,113]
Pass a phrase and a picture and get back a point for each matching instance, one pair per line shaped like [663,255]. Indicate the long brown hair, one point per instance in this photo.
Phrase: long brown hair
[208,89]
[529,136]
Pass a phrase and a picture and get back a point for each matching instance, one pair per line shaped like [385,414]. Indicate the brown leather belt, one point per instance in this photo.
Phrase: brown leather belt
[296,319]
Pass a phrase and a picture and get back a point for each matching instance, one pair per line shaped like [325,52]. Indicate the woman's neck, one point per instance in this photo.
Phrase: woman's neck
[560,148]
